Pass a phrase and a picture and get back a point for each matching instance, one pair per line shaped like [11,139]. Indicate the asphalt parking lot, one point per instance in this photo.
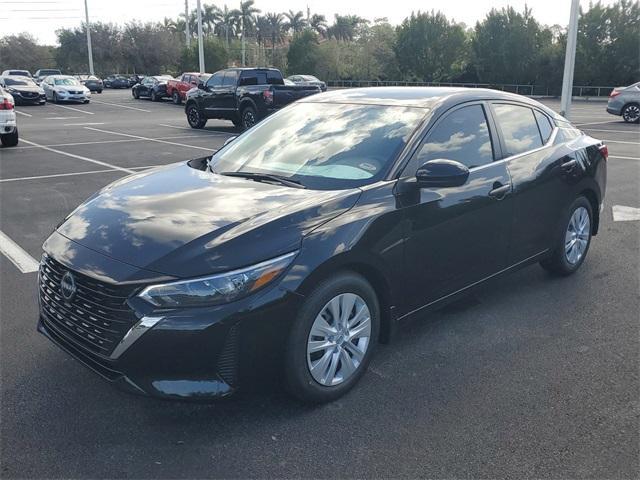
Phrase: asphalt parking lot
[533,376]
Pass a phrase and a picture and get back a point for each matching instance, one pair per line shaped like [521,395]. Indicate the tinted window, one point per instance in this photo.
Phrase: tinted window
[463,136]
[230,78]
[519,128]
[215,80]
[18,81]
[254,78]
[544,125]
[323,145]
[274,78]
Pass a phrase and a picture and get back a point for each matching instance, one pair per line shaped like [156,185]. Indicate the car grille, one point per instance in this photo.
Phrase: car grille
[75,92]
[30,94]
[96,318]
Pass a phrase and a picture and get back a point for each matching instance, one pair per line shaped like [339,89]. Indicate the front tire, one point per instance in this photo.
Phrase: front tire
[55,98]
[332,339]
[195,118]
[154,96]
[572,244]
[176,98]
[631,113]
[135,94]
[9,139]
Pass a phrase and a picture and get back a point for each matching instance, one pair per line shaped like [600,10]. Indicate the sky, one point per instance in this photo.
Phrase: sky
[41,18]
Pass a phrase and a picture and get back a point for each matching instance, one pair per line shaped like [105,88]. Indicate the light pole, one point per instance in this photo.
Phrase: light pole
[200,43]
[242,33]
[570,59]
[86,14]
[187,33]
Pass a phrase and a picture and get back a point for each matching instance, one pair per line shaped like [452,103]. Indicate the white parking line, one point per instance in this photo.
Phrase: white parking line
[22,113]
[210,132]
[98,142]
[619,141]
[637,132]
[82,124]
[624,158]
[21,259]
[625,214]
[210,150]
[122,106]
[61,118]
[595,123]
[72,174]
[91,160]
[74,109]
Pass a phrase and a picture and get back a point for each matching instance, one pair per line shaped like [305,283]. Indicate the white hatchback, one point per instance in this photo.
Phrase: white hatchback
[8,124]
[58,88]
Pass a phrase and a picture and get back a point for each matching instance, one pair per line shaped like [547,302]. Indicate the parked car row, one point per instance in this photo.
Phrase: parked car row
[8,123]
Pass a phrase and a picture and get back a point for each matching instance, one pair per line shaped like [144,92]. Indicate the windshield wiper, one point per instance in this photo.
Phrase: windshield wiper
[260,177]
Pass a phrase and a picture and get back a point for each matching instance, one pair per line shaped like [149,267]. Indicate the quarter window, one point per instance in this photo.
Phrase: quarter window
[519,128]
[462,136]
[544,125]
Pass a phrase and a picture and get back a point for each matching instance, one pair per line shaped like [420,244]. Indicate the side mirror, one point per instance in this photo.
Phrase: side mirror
[229,140]
[442,173]
[202,86]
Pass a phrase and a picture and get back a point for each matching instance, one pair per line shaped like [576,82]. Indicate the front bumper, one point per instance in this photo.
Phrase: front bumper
[73,97]
[23,98]
[188,354]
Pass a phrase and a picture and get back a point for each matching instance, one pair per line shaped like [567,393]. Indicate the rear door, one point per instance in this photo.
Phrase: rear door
[538,171]
[457,235]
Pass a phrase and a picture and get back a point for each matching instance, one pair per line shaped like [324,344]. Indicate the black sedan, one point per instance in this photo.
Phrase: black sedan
[309,237]
[115,81]
[92,82]
[154,87]
[24,90]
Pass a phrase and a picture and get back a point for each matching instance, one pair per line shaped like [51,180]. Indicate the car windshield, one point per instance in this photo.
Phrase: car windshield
[324,146]
[18,81]
[21,73]
[309,78]
[66,81]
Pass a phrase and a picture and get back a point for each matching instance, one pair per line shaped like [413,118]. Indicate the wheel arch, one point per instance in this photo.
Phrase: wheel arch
[246,102]
[372,273]
[592,197]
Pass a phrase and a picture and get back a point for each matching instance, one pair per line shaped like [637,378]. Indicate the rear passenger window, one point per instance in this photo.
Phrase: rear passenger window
[519,128]
[544,125]
[274,78]
[462,136]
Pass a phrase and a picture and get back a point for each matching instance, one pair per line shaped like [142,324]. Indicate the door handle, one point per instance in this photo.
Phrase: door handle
[500,192]
[570,164]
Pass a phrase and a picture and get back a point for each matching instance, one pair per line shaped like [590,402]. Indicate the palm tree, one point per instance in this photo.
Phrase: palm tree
[227,23]
[210,17]
[276,29]
[318,23]
[295,21]
[345,27]
[263,27]
[247,11]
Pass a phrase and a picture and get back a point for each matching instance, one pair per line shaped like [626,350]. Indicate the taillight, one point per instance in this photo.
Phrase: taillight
[604,150]
[268,97]
[6,104]
[614,93]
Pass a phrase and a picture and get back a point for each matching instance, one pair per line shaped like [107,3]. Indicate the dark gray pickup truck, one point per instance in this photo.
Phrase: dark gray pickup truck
[243,95]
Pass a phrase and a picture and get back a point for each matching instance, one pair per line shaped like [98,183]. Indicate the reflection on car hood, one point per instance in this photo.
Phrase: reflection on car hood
[25,88]
[66,88]
[183,222]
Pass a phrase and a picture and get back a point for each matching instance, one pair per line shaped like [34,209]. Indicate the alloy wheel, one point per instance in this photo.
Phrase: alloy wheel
[248,119]
[193,116]
[339,339]
[576,238]
[631,113]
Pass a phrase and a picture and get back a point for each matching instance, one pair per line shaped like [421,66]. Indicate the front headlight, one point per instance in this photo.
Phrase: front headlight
[216,289]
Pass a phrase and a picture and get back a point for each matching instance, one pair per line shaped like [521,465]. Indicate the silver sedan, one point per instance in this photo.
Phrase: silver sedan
[625,102]
[59,88]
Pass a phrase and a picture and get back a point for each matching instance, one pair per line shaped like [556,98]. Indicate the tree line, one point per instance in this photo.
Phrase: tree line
[507,46]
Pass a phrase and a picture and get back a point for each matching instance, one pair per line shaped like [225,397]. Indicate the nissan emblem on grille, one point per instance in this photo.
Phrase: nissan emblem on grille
[68,286]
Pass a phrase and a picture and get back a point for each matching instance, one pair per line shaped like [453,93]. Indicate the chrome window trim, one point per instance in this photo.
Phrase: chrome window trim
[549,143]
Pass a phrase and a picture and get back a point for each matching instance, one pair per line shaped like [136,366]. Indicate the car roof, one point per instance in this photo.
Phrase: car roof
[421,97]
[62,76]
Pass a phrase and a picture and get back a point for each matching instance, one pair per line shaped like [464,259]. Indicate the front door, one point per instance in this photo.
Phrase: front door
[456,236]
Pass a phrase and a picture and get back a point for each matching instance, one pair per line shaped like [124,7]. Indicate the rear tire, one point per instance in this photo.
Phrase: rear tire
[195,118]
[347,357]
[248,117]
[631,113]
[154,96]
[176,98]
[572,243]
[99,91]
[9,139]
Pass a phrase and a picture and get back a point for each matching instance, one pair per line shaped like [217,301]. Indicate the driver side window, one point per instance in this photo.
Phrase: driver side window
[462,135]
[215,80]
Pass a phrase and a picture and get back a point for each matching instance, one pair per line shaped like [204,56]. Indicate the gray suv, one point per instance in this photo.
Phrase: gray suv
[625,101]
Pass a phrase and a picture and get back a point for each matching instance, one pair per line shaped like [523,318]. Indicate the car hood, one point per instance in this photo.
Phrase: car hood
[26,88]
[184,222]
[66,88]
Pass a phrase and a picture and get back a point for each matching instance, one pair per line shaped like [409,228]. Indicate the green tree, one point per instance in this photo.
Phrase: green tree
[295,21]
[303,54]
[22,51]
[429,47]
[215,56]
